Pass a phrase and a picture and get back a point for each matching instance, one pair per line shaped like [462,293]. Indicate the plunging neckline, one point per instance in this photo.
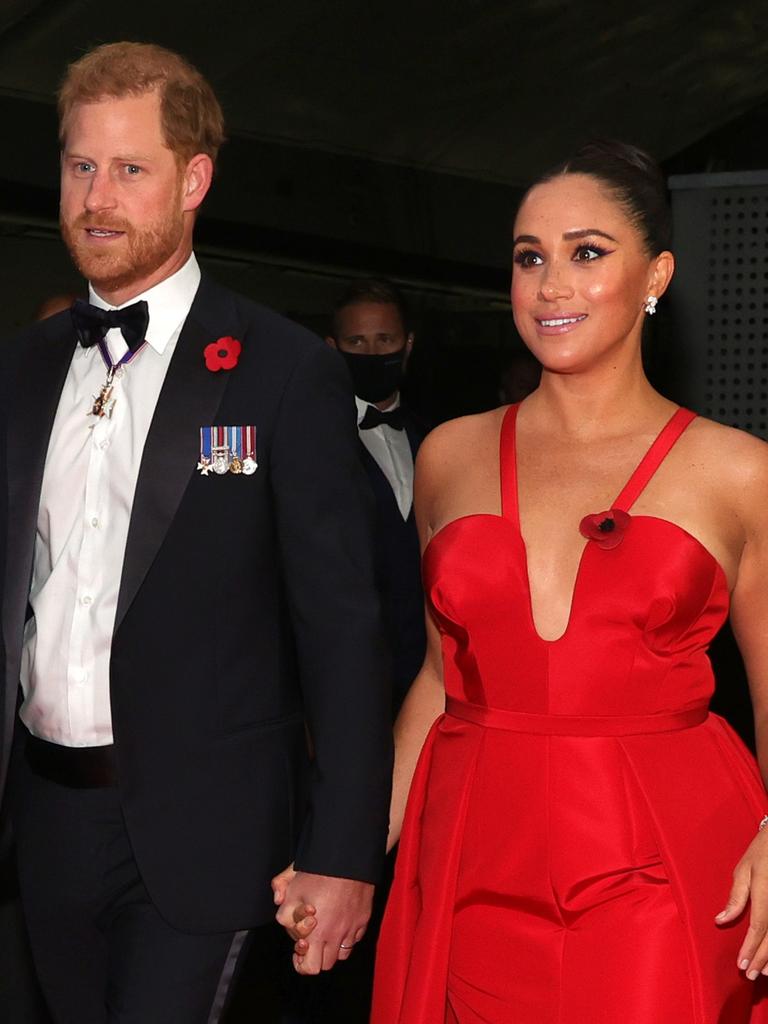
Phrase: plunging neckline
[513,522]
[628,495]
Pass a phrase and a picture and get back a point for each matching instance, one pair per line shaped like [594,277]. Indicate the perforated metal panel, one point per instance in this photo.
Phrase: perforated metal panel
[720,295]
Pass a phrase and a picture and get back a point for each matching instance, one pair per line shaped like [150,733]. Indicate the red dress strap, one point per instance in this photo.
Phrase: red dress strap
[653,458]
[508,464]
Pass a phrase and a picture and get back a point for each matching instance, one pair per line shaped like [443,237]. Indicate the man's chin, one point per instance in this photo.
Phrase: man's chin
[107,274]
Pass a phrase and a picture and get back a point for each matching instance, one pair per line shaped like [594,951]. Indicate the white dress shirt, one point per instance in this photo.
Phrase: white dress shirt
[89,481]
[392,453]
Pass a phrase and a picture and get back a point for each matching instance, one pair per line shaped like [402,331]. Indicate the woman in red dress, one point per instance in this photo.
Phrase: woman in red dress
[576,814]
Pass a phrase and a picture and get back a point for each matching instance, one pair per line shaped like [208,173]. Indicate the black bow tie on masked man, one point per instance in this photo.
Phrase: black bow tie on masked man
[169,630]
[371,328]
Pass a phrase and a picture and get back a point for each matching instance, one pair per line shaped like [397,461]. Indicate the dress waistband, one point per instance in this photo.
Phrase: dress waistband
[575,725]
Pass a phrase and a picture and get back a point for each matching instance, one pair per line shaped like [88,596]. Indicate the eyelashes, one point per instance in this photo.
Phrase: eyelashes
[526,258]
[582,254]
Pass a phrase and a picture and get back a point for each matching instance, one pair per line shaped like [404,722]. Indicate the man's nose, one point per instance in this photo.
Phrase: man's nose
[100,194]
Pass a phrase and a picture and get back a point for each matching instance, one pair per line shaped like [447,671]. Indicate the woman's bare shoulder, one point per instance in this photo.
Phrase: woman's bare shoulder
[460,441]
[454,466]
[738,458]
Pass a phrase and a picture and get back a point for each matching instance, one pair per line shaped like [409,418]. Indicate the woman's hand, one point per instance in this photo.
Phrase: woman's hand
[750,885]
[304,920]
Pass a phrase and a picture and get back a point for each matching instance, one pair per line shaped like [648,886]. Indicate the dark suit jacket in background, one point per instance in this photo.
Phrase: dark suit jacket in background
[398,570]
[246,604]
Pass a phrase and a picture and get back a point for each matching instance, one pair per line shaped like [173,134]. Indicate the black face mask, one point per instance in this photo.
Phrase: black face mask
[375,377]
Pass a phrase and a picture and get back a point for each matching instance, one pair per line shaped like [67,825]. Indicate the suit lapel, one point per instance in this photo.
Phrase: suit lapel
[32,409]
[32,401]
[189,399]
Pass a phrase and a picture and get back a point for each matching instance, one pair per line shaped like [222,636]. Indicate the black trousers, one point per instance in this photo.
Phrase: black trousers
[103,953]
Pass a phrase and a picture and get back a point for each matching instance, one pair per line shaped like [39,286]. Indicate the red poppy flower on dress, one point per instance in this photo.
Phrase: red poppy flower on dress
[222,354]
[606,529]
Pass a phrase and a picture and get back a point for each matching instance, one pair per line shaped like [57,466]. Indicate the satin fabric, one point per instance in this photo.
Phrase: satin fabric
[560,862]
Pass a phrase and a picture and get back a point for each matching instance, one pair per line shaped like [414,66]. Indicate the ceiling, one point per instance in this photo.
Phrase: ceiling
[394,137]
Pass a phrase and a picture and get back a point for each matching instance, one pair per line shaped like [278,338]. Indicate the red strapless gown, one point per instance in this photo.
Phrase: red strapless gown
[576,813]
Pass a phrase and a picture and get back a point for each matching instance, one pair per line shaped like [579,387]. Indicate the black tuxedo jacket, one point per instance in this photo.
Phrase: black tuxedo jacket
[398,570]
[247,605]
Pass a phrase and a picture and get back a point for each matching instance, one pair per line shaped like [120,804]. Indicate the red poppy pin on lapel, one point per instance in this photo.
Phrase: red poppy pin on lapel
[222,354]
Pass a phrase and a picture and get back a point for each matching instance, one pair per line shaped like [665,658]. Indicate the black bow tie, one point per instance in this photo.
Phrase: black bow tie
[92,323]
[375,417]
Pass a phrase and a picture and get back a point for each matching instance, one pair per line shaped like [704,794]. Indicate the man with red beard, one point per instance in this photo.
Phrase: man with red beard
[187,547]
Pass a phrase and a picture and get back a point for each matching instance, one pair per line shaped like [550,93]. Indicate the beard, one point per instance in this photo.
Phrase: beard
[135,257]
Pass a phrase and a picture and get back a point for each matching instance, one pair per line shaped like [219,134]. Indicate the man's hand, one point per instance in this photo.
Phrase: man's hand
[334,910]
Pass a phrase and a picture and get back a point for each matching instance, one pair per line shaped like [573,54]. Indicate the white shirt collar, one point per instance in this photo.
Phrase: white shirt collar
[362,405]
[169,303]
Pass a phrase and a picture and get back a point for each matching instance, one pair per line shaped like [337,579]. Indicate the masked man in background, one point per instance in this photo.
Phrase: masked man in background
[371,329]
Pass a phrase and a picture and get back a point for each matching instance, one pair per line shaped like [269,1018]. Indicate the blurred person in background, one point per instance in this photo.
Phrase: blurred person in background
[56,303]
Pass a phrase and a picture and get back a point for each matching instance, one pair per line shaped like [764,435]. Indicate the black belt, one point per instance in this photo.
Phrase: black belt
[77,767]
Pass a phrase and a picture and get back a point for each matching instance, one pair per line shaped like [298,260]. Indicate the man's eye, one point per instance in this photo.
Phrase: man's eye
[527,258]
[132,170]
[84,167]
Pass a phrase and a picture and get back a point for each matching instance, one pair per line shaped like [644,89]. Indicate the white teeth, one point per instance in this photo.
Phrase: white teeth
[101,234]
[561,322]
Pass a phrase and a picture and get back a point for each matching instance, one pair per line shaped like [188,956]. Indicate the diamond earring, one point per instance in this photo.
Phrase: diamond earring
[649,306]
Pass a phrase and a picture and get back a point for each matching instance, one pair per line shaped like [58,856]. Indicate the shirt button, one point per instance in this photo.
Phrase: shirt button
[86,600]
[95,521]
[104,444]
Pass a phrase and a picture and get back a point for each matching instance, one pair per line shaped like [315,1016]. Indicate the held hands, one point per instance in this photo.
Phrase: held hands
[750,884]
[334,911]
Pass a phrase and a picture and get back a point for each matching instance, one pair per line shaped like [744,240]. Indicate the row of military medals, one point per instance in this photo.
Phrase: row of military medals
[227,450]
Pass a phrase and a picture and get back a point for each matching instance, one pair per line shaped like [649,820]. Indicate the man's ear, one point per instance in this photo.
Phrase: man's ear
[408,348]
[331,342]
[198,176]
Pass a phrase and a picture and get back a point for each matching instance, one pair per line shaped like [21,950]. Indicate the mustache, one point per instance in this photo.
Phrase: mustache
[87,220]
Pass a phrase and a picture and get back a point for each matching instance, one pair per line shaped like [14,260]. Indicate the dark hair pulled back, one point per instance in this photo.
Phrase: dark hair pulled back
[634,178]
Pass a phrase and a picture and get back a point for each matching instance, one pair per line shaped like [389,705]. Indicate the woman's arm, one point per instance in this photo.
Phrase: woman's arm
[749,618]
[424,702]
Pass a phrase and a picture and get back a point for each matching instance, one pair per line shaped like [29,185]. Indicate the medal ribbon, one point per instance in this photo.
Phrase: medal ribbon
[249,442]
[235,444]
[127,357]
[205,444]
[103,402]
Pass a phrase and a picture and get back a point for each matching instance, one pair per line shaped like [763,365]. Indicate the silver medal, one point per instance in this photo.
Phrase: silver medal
[220,460]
